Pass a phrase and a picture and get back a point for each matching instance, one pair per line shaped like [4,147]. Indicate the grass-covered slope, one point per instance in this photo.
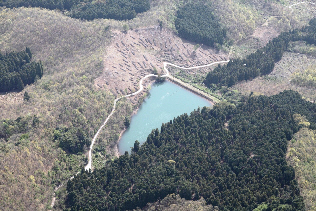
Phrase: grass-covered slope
[48,4]
[234,157]
[71,51]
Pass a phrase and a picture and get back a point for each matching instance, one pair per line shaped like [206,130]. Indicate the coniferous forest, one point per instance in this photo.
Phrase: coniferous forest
[196,22]
[48,4]
[232,156]
[113,9]
[88,9]
[309,32]
[17,70]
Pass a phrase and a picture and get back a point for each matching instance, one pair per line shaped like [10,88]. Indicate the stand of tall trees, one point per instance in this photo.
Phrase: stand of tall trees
[232,156]
[196,22]
[309,32]
[17,70]
[49,4]
[88,9]
[112,9]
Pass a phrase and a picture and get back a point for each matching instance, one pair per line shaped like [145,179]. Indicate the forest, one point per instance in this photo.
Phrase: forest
[309,32]
[17,70]
[232,156]
[196,22]
[48,4]
[88,9]
[112,9]
[260,62]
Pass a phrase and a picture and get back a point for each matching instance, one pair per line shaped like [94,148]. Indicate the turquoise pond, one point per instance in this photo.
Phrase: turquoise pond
[165,101]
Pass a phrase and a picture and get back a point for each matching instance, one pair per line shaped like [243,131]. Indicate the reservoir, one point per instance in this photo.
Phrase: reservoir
[164,102]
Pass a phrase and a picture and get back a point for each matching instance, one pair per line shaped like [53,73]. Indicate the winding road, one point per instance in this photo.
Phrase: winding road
[141,87]
[165,64]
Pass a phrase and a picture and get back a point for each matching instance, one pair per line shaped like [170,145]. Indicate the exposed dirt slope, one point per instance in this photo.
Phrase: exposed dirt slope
[138,52]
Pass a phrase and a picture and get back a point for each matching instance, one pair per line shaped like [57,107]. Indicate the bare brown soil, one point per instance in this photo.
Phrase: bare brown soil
[264,34]
[138,52]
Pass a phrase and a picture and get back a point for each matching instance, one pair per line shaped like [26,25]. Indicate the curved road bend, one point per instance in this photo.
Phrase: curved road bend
[89,165]
[141,87]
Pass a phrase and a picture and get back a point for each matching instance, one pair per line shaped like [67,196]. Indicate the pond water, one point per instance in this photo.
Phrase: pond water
[165,101]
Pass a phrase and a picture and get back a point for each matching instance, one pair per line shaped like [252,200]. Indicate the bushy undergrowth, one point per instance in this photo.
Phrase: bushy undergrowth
[174,202]
[32,164]
[301,155]
[307,78]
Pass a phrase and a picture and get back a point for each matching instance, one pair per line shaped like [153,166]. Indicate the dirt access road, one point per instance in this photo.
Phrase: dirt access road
[138,52]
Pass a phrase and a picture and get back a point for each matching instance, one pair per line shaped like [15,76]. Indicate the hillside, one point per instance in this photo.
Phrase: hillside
[290,71]
[234,157]
[300,155]
[32,164]
[79,84]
